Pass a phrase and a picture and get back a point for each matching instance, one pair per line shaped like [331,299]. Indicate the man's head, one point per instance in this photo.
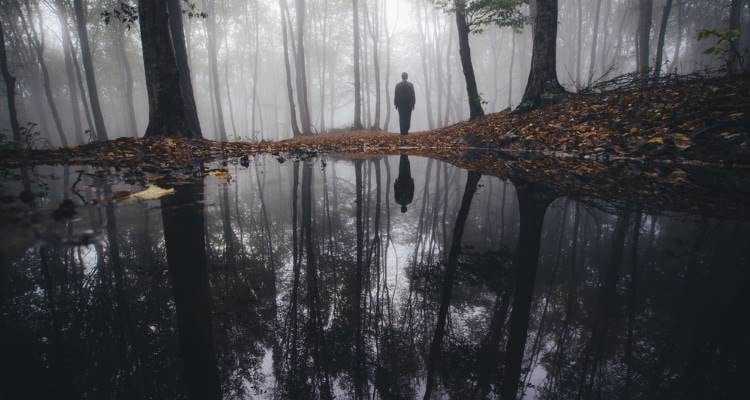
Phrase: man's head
[404,76]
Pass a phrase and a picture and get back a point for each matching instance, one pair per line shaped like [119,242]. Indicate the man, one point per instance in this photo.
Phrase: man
[404,102]
[403,189]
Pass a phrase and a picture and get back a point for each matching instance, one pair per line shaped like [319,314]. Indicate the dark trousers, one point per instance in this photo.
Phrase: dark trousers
[404,120]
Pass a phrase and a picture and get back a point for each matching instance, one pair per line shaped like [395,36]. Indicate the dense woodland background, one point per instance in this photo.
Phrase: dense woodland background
[79,66]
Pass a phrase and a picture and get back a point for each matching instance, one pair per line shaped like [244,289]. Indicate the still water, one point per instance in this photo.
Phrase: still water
[379,278]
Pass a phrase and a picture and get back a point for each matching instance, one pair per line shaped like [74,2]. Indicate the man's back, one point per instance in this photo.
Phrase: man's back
[404,98]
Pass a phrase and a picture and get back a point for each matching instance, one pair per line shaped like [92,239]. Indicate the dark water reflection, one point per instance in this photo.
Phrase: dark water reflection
[392,278]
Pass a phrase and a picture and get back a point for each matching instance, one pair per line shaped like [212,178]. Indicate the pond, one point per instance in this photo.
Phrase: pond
[374,277]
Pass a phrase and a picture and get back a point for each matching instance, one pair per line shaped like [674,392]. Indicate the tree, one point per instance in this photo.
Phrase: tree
[662,34]
[542,86]
[10,88]
[169,112]
[357,83]
[214,69]
[304,107]
[645,11]
[475,101]
[88,67]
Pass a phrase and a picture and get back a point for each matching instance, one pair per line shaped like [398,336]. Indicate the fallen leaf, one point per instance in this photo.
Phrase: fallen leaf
[152,192]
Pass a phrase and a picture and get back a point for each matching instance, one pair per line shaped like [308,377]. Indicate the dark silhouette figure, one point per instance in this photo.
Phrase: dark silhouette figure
[404,102]
[404,186]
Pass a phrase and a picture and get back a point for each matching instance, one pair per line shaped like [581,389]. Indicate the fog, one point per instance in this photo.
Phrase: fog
[244,39]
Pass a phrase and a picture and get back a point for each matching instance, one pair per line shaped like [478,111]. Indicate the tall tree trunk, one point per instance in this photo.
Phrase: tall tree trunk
[579,43]
[645,11]
[475,102]
[287,69]
[183,64]
[510,69]
[168,107]
[127,83]
[88,68]
[70,72]
[10,88]
[678,41]
[424,57]
[449,78]
[592,60]
[304,105]
[605,38]
[38,43]
[662,34]
[214,68]
[448,277]
[375,35]
[357,83]
[542,85]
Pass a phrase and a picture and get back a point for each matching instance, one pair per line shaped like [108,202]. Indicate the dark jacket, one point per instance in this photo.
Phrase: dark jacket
[404,98]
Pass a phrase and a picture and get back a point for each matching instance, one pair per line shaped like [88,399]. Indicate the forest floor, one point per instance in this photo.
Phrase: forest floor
[693,118]
[679,144]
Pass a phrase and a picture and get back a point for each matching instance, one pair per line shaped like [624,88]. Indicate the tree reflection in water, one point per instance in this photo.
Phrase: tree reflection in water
[297,281]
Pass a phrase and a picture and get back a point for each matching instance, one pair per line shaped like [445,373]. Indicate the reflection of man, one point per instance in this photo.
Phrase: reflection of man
[404,102]
[404,186]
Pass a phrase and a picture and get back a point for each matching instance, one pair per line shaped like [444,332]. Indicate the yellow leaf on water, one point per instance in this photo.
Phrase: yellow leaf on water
[656,140]
[152,192]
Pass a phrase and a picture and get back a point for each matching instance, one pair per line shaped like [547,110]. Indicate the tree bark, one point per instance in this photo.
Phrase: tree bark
[127,83]
[88,68]
[287,69]
[10,88]
[542,85]
[304,105]
[214,68]
[645,11]
[183,65]
[475,101]
[592,61]
[662,35]
[357,83]
[168,107]
[38,43]
[70,72]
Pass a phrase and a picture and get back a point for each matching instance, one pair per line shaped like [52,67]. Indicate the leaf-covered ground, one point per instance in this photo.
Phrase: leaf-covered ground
[676,118]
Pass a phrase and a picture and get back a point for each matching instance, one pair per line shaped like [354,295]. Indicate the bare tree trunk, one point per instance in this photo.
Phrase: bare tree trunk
[662,34]
[10,88]
[38,43]
[592,61]
[542,85]
[214,68]
[425,70]
[168,106]
[70,72]
[579,44]
[88,67]
[678,41]
[475,101]
[127,82]
[183,65]
[510,69]
[357,83]
[605,38]
[449,78]
[375,35]
[645,11]
[287,69]
[304,105]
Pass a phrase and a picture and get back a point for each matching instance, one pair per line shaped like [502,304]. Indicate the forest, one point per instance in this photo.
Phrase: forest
[374,199]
